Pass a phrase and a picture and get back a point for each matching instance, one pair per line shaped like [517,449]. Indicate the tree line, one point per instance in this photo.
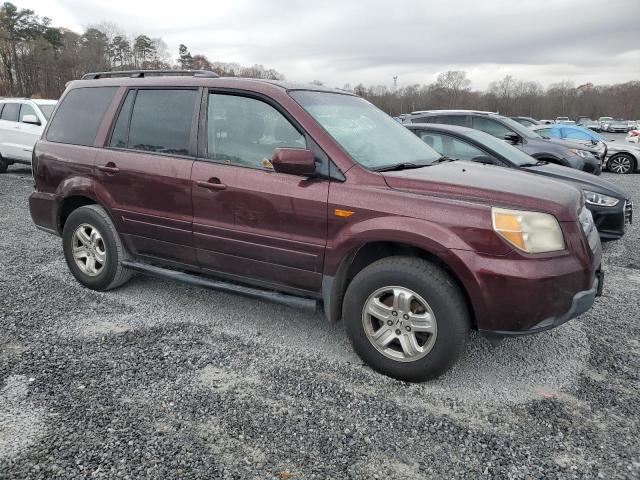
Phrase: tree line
[37,60]
[509,96]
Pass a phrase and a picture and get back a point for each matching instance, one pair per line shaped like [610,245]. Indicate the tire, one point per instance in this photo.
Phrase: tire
[622,163]
[103,250]
[441,347]
[4,165]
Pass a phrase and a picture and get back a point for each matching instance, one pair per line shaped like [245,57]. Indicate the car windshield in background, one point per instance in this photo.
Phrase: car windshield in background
[367,134]
[508,151]
[47,110]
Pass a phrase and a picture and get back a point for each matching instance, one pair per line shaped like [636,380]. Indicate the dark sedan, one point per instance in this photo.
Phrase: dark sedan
[504,128]
[611,208]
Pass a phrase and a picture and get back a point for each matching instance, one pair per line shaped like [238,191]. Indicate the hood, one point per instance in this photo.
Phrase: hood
[491,185]
[574,144]
[579,179]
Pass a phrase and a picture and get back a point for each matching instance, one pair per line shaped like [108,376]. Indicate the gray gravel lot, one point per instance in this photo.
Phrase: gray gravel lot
[159,379]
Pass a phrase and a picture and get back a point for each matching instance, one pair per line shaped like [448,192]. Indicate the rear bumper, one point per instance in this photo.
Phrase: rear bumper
[581,303]
[43,208]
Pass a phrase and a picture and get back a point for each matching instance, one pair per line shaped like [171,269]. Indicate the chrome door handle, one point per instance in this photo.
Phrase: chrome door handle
[109,169]
[211,185]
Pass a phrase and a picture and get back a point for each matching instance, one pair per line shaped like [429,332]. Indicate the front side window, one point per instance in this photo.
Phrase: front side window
[244,131]
[26,110]
[10,112]
[491,127]
[160,121]
[465,151]
[368,135]
[79,116]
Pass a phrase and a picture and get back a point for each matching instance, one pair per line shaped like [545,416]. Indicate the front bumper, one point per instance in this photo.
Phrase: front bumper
[581,303]
[612,222]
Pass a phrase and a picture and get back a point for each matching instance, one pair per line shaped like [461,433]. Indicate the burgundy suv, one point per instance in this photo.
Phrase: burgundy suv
[310,197]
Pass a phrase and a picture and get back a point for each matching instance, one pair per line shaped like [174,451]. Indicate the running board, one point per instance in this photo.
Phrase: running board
[200,281]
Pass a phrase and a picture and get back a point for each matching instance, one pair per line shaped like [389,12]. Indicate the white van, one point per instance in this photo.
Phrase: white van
[22,122]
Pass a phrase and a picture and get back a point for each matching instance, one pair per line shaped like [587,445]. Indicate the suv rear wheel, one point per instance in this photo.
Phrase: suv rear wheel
[93,250]
[406,318]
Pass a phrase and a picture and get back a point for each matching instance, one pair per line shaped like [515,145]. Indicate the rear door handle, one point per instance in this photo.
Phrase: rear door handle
[109,168]
[211,184]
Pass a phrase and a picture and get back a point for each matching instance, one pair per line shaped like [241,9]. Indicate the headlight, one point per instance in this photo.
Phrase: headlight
[594,198]
[531,232]
[582,153]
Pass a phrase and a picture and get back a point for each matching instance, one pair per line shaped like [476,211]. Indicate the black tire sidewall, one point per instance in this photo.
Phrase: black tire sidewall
[91,217]
[452,323]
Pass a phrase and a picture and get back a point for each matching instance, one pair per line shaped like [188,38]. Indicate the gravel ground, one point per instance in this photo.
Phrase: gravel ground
[159,379]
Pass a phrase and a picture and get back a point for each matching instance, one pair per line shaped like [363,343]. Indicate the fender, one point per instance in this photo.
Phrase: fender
[432,237]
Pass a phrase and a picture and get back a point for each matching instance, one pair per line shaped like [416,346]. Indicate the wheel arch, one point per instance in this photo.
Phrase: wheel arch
[334,287]
[68,205]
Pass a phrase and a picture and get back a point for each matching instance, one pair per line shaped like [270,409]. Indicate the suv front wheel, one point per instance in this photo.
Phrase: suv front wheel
[93,250]
[406,318]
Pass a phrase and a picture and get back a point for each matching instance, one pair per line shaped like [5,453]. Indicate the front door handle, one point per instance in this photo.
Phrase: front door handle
[109,168]
[211,184]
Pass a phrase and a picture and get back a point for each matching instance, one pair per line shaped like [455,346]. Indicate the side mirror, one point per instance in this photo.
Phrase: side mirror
[31,119]
[295,161]
[512,138]
[485,159]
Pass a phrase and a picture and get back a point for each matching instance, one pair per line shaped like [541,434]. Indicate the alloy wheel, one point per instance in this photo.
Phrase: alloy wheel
[399,323]
[89,251]
[620,164]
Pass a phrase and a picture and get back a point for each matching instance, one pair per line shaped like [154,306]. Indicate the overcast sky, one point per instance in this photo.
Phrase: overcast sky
[354,41]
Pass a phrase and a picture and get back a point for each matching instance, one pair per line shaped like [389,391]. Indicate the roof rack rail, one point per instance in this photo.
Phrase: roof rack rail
[150,73]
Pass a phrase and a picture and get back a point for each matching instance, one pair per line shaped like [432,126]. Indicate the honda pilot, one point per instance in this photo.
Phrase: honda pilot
[314,198]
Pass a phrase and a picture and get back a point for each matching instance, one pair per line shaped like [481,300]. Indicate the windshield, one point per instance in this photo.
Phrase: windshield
[501,147]
[46,110]
[370,137]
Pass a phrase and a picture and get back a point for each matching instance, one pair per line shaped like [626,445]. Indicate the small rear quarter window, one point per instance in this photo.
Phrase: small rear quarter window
[79,115]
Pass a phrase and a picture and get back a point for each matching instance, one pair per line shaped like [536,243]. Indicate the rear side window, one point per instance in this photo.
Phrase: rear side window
[460,120]
[10,112]
[79,116]
[159,122]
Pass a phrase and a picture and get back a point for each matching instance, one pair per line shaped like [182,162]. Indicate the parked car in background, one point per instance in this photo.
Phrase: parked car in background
[22,122]
[633,136]
[312,197]
[562,119]
[604,123]
[620,157]
[590,124]
[573,133]
[526,121]
[550,150]
[610,206]
[546,121]
[617,125]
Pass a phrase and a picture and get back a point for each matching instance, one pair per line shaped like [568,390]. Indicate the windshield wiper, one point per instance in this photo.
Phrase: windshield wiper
[444,158]
[537,164]
[400,166]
